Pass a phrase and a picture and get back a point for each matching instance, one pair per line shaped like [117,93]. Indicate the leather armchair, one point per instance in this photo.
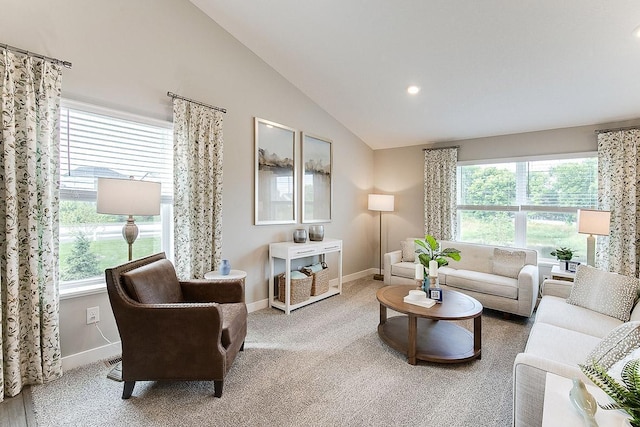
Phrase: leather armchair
[175,330]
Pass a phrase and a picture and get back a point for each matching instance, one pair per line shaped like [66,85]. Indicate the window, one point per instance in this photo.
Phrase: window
[94,143]
[527,203]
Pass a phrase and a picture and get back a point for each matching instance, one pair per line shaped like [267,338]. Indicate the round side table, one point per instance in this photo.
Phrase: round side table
[233,274]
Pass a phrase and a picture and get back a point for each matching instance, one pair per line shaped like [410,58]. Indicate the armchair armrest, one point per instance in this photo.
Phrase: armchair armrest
[154,337]
[217,290]
[528,284]
[389,259]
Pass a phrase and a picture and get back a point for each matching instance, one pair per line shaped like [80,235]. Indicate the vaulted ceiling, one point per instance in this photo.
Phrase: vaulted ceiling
[485,68]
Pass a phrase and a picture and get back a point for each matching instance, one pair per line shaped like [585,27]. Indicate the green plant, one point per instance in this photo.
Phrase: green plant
[429,249]
[563,254]
[627,395]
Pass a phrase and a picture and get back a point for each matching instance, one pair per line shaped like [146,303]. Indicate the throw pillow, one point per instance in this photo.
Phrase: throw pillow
[607,293]
[616,370]
[408,251]
[616,345]
[508,263]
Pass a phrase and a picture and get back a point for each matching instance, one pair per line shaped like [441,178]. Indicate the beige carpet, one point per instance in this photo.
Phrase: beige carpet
[323,365]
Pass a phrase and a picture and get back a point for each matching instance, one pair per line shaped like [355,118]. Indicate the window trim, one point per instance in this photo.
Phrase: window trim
[520,210]
[83,287]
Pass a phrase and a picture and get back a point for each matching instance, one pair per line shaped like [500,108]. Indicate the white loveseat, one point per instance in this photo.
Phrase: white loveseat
[563,336]
[477,274]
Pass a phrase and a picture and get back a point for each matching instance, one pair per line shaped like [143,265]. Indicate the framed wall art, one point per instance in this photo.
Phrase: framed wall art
[316,182]
[275,173]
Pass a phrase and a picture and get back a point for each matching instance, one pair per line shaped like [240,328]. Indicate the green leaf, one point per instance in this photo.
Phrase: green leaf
[433,243]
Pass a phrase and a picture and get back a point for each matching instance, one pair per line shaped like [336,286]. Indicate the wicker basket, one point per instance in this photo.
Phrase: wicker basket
[320,283]
[300,289]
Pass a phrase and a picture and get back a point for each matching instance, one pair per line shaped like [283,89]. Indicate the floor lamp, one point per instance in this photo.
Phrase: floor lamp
[380,203]
[593,222]
[128,197]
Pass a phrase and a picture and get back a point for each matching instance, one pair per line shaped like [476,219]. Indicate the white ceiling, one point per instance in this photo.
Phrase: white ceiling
[486,67]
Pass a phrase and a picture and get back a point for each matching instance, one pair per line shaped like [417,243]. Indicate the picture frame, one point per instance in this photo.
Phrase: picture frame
[572,266]
[275,169]
[316,178]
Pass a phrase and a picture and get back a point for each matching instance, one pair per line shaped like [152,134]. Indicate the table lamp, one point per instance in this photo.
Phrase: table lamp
[380,203]
[593,222]
[128,197]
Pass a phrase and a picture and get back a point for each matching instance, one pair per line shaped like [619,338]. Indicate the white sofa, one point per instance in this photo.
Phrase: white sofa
[474,275]
[562,337]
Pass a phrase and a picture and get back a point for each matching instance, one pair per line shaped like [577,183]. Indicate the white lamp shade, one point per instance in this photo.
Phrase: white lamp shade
[128,197]
[381,202]
[593,222]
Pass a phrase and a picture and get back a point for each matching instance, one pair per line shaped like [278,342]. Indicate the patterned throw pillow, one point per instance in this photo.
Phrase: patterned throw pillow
[508,263]
[607,293]
[408,251]
[616,345]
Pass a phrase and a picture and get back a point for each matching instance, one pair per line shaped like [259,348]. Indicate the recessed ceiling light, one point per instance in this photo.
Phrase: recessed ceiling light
[413,90]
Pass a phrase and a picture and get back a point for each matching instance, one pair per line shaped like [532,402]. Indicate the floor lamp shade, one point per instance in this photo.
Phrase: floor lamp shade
[381,203]
[128,197]
[593,222]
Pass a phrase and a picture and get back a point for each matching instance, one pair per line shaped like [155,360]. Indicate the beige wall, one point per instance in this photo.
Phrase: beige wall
[127,54]
[400,171]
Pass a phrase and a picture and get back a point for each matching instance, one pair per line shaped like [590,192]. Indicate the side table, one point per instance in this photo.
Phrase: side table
[233,274]
[558,410]
[558,274]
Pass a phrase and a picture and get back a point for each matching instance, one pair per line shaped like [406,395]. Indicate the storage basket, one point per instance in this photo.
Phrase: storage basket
[320,283]
[300,289]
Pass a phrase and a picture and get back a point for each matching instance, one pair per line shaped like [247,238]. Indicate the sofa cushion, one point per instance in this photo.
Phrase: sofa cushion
[483,283]
[560,344]
[507,263]
[233,322]
[556,311]
[154,283]
[607,293]
[408,250]
[616,345]
[404,269]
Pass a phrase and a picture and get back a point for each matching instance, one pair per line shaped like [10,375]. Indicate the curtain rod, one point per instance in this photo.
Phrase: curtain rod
[173,95]
[66,64]
[616,129]
[440,148]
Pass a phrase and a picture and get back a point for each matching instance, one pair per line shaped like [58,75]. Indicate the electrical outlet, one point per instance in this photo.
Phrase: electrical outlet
[546,276]
[93,315]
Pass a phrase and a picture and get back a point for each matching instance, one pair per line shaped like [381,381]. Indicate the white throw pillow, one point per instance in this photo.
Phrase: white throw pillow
[616,370]
[408,251]
[607,293]
[615,347]
[508,263]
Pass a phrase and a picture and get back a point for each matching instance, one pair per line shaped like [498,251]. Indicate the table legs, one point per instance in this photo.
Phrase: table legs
[413,332]
[477,336]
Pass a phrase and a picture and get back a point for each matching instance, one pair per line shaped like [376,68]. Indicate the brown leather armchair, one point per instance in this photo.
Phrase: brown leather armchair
[175,330]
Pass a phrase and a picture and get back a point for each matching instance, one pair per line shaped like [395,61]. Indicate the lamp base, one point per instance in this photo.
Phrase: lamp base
[378,277]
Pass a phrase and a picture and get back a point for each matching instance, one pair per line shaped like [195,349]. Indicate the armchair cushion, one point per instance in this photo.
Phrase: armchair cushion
[408,250]
[154,283]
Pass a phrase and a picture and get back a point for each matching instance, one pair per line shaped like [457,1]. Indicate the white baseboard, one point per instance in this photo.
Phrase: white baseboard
[93,355]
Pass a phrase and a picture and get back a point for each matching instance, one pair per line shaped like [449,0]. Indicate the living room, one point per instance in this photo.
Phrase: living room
[127,55]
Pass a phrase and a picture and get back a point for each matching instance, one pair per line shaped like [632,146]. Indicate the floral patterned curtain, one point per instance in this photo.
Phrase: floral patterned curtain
[619,192]
[197,149]
[29,178]
[440,192]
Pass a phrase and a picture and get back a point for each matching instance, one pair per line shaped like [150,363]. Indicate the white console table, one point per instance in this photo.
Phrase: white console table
[288,251]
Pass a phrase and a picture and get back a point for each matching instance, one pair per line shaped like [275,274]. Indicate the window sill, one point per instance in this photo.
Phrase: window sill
[81,291]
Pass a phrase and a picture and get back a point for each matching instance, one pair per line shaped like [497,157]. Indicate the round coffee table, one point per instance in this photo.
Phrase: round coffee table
[429,333]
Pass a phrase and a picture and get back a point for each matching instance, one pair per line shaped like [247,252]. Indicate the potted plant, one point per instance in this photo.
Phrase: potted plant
[429,249]
[564,255]
[626,395]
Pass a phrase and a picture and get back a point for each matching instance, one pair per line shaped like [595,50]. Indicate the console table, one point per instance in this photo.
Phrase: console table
[289,251]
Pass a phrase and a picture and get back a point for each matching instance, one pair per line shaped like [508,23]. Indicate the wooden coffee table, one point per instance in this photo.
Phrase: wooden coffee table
[429,333]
